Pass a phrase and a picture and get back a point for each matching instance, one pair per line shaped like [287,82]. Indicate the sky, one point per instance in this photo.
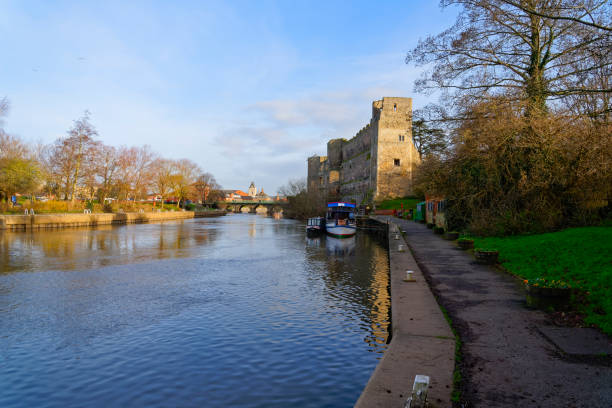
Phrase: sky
[246,89]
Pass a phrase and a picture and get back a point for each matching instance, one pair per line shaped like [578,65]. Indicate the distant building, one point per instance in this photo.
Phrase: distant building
[377,163]
[252,190]
[251,194]
[232,195]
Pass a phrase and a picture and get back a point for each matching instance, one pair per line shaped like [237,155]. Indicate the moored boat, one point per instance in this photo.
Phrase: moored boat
[340,220]
[315,226]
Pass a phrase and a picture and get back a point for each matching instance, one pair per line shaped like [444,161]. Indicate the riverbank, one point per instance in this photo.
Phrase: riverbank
[578,257]
[42,221]
[510,356]
[421,340]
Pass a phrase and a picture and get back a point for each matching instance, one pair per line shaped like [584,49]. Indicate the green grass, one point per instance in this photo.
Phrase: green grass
[582,257]
[396,203]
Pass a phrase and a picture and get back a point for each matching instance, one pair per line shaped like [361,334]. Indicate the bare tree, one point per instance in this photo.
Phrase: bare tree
[206,186]
[578,13]
[81,144]
[302,203]
[4,107]
[106,170]
[162,177]
[143,159]
[513,48]
[184,179]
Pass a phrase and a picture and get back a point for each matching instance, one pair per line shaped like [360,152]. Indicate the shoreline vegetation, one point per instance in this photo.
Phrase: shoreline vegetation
[80,168]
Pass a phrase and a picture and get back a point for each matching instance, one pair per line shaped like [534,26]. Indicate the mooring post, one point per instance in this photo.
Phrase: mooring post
[418,398]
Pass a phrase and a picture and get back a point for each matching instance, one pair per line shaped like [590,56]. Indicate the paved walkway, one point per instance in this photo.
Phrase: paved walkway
[507,362]
[421,341]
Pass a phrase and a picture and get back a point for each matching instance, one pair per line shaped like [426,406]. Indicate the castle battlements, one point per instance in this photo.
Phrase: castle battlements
[376,163]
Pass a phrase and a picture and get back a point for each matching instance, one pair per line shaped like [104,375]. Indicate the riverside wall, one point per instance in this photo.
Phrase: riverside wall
[42,221]
[421,339]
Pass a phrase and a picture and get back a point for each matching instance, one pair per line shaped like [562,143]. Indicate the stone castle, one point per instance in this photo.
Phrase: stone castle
[376,163]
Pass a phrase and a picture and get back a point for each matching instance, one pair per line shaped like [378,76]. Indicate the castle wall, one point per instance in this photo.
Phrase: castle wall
[317,173]
[394,143]
[377,163]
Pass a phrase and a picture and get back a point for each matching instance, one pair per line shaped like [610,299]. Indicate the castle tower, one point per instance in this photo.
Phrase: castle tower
[394,154]
[377,163]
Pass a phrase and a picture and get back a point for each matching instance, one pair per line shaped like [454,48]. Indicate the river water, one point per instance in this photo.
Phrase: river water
[241,310]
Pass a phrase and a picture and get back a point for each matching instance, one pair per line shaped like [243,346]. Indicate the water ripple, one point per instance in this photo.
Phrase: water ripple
[237,311]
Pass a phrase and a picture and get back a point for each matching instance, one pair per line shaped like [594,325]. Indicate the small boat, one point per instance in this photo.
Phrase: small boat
[315,226]
[340,220]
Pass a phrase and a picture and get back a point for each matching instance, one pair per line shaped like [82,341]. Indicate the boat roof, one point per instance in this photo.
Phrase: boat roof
[340,204]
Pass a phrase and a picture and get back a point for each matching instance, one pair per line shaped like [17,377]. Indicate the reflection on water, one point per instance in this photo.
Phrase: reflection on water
[242,310]
[81,248]
[340,247]
[343,256]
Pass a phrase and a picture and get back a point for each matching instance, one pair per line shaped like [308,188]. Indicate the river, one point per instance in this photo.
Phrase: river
[241,310]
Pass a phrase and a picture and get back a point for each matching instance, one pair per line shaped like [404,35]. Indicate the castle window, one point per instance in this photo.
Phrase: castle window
[396,162]
[401,138]
[321,180]
[395,107]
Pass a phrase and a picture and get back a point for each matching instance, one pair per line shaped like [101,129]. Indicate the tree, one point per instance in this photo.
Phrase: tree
[18,175]
[81,145]
[4,107]
[184,179]
[301,202]
[143,159]
[528,50]
[427,140]
[19,170]
[106,170]
[585,15]
[162,177]
[206,187]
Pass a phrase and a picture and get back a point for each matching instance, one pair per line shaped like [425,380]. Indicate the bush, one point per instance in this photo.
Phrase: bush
[109,207]
[510,174]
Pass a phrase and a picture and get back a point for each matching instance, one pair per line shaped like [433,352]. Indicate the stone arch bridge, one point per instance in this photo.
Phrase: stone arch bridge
[252,206]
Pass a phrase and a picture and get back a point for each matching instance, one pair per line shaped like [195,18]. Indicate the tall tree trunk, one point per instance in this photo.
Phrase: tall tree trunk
[76,171]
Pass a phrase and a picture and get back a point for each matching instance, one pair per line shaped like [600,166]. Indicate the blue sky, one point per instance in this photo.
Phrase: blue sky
[247,89]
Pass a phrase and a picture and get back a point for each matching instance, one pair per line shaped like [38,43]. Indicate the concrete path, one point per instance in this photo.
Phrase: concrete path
[507,361]
[421,341]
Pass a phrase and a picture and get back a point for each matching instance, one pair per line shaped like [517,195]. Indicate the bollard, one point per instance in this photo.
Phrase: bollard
[409,277]
[396,236]
[418,399]
[400,248]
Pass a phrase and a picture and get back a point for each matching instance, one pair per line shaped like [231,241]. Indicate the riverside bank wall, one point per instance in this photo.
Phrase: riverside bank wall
[421,339]
[41,221]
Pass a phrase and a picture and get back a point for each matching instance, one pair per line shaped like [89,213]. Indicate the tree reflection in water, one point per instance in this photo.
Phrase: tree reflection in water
[104,245]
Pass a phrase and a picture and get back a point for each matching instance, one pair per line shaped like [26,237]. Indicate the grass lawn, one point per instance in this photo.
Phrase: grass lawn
[396,203]
[582,257]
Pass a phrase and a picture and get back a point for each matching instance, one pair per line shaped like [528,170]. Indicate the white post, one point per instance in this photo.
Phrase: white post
[418,398]
[409,277]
